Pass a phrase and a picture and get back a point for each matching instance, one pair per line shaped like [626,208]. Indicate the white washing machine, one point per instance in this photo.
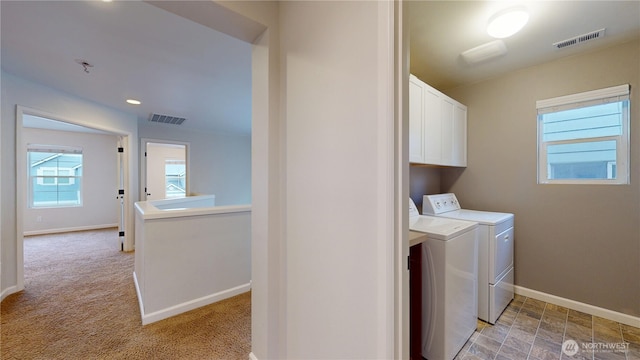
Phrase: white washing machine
[495,251]
[449,283]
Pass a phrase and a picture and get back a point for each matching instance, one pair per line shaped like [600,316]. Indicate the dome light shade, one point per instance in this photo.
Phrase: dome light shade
[507,22]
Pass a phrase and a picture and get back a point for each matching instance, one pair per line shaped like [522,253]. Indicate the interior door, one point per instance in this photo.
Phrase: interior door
[166,170]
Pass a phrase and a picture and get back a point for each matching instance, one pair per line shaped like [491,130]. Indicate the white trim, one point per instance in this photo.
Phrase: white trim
[401,177]
[188,305]
[22,190]
[8,291]
[138,293]
[579,306]
[70,229]
[252,356]
[386,124]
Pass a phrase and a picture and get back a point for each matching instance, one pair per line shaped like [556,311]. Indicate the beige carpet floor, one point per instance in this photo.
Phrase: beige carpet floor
[80,302]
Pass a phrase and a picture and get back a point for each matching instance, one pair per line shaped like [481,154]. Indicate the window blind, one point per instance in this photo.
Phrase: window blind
[589,98]
[54,149]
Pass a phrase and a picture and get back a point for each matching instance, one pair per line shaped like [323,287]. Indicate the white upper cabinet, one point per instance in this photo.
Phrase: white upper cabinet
[437,127]
[459,134]
[416,124]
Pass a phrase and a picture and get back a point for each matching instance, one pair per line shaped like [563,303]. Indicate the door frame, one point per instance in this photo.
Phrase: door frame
[21,186]
[143,163]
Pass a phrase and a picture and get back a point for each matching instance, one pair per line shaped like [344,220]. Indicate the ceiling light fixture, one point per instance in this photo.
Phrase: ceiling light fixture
[507,22]
[133,102]
[85,64]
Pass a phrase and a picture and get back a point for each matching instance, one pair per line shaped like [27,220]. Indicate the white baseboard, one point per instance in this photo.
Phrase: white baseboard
[138,293]
[579,306]
[252,356]
[8,291]
[70,229]
[189,305]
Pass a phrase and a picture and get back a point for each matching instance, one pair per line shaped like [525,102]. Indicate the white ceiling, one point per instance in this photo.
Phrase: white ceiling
[174,66]
[441,30]
[182,68]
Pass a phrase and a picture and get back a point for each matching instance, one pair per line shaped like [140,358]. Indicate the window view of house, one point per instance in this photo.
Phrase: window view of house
[584,143]
[55,177]
[175,175]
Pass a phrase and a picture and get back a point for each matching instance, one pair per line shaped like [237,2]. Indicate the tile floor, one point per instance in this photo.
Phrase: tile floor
[534,330]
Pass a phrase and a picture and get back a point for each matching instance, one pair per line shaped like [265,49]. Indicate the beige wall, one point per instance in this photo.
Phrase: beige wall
[423,180]
[576,242]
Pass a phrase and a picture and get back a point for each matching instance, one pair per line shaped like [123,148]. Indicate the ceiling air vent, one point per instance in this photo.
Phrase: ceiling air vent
[166,119]
[579,39]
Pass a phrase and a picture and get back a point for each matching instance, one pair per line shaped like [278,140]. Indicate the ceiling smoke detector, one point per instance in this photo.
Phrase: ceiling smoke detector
[579,39]
[484,52]
[166,119]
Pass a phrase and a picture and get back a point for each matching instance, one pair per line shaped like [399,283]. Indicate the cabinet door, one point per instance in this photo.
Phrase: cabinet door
[447,109]
[416,121]
[454,133]
[459,135]
[432,127]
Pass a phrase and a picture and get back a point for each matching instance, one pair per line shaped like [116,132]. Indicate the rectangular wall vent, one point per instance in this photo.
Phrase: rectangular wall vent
[166,119]
[579,39]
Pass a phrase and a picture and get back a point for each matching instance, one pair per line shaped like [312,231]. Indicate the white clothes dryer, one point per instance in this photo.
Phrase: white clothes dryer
[495,251]
[449,283]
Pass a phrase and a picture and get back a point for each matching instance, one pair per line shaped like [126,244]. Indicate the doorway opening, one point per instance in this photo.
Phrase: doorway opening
[165,169]
[97,184]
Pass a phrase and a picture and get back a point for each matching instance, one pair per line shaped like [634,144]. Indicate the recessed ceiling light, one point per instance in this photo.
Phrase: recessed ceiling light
[507,22]
[133,102]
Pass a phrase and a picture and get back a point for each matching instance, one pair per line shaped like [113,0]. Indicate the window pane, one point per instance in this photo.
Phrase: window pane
[175,177]
[48,176]
[593,121]
[63,176]
[54,195]
[55,179]
[584,160]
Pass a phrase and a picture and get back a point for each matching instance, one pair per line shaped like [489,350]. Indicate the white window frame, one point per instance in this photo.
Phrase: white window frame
[72,179]
[585,99]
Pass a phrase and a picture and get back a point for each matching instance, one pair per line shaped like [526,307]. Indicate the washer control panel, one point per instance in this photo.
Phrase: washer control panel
[440,203]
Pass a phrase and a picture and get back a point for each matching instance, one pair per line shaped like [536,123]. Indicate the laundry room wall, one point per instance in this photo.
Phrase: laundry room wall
[578,242]
[99,208]
[423,180]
